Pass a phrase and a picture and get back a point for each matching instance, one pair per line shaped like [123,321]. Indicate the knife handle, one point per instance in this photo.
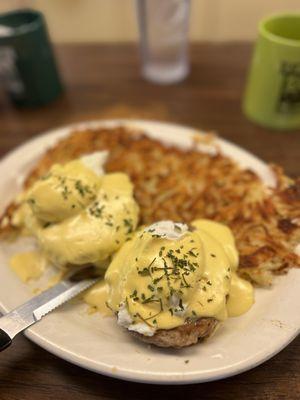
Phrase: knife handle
[5,340]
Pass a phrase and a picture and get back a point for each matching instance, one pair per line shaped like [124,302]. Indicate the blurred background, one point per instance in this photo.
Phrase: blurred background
[102,49]
[115,20]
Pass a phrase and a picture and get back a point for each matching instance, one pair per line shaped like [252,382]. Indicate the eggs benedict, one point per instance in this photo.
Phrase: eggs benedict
[172,283]
[77,214]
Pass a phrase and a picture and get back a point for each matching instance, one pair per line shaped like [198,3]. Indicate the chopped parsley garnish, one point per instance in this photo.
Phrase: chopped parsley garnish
[177,228]
[146,271]
[44,177]
[156,280]
[95,210]
[180,304]
[82,189]
[149,299]
[133,294]
[128,224]
[65,192]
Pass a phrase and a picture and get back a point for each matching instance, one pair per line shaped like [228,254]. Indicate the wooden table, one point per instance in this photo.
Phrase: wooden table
[104,81]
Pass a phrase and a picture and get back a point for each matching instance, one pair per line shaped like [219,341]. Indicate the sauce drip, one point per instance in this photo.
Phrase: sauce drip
[28,265]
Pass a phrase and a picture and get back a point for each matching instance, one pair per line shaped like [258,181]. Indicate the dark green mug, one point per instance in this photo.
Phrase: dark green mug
[27,64]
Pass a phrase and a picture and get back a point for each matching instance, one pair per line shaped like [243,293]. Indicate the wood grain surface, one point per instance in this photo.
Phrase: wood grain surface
[103,82]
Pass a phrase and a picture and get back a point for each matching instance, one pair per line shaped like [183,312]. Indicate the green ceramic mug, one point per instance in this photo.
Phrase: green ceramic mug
[272,96]
[27,65]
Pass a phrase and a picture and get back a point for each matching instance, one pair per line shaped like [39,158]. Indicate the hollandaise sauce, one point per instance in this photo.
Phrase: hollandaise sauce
[28,265]
[170,273]
[96,297]
[77,215]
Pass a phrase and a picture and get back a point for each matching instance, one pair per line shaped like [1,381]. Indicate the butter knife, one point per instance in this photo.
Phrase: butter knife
[33,310]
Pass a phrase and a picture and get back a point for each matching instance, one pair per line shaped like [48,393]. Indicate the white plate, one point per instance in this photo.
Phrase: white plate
[97,343]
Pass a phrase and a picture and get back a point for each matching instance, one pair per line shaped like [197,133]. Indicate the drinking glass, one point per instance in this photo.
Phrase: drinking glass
[163,28]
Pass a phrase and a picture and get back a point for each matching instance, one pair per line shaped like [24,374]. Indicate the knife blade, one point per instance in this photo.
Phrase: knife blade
[33,310]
